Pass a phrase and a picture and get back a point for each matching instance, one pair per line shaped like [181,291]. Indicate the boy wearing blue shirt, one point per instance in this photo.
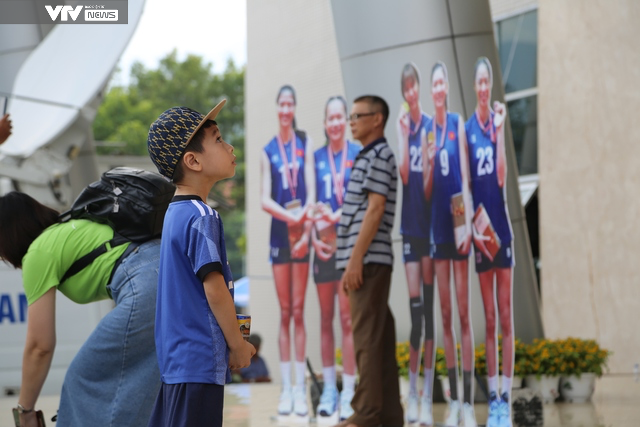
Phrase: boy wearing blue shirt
[197,336]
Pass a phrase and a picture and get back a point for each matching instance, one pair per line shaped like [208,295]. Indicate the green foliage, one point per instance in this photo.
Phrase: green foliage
[124,116]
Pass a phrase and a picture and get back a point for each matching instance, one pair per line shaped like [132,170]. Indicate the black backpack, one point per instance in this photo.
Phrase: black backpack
[132,201]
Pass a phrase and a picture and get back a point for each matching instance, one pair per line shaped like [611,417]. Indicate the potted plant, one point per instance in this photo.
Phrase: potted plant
[581,361]
[541,364]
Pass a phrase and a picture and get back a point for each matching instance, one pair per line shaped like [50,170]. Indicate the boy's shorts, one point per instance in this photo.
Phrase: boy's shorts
[187,405]
[414,248]
[503,259]
[447,251]
[283,256]
[325,271]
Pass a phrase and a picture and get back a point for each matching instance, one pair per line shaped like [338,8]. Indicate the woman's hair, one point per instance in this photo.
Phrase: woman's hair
[326,106]
[409,71]
[483,60]
[22,220]
[440,64]
[288,88]
[195,145]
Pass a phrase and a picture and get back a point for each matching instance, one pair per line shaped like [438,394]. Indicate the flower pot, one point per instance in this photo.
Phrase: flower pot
[547,386]
[578,389]
[517,382]
[404,387]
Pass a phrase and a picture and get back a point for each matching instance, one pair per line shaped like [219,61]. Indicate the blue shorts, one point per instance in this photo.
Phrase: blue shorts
[447,251]
[325,271]
[503,259]
[414,248]
[283,256]
[188,404]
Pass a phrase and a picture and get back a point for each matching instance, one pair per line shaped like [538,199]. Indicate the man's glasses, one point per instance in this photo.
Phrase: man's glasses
[356,116]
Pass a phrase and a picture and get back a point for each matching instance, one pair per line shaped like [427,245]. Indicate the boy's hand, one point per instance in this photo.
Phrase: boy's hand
[240,357]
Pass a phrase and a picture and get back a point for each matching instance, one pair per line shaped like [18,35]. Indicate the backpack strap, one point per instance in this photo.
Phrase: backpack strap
[87,259]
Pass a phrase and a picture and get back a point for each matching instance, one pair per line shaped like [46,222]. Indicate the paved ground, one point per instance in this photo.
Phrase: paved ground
[616,403]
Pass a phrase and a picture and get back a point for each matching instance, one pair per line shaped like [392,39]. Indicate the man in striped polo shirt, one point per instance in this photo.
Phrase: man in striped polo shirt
[366,256]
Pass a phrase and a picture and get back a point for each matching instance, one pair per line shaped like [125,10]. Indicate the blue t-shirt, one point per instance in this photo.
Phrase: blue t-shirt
[325,188]
[447,179]
[189,342]
[280,190]
[416,210]
[484,179]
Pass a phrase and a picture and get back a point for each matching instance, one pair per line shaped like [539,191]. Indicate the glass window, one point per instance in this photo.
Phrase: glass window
[517,40]
[523,116]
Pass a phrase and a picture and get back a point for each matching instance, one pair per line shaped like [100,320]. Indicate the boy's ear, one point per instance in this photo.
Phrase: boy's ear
[190,161]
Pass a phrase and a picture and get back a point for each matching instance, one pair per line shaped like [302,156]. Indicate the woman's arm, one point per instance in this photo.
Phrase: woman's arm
[403,145]
[428,161]
[465,175]
[39,347]
[309,177]
[501,155]
[301,248]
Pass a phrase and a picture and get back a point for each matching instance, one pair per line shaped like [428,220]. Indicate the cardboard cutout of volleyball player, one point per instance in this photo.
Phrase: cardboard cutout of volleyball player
[288,195]
[415,227]
[492,236]
[333,164]
[446,184]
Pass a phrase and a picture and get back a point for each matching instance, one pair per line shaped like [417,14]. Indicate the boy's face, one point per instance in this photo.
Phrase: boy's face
[219,160]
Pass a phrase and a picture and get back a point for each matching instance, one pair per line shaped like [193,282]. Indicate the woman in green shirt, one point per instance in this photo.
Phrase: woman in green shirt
[114,378]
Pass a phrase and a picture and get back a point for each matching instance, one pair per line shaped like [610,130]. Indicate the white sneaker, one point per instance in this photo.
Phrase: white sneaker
[345,404]
[504,412]
[285,405]
[469,415]
[300,402]
[453,417]
[412,407]
[493,419]
[328,401]
[426,412]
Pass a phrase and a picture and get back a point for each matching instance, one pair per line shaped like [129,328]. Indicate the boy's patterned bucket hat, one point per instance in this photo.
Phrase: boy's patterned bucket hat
[170,134]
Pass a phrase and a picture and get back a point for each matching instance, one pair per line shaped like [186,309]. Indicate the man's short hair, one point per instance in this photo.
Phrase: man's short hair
[378,105]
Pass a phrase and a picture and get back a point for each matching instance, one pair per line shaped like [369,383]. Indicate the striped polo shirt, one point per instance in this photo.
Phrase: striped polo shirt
[374,170]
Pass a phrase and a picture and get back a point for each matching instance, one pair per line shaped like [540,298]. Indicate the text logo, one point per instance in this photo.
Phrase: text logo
[64,12]
[100,15]
[13,309]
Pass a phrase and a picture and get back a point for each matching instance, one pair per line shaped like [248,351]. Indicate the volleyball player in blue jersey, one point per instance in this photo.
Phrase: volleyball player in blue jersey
[415,228]
[286,170]
[488,169]
[446,186]
[333,164]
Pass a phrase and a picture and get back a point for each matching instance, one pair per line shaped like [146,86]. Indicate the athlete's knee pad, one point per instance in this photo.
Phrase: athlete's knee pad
[415,306]
[429,325]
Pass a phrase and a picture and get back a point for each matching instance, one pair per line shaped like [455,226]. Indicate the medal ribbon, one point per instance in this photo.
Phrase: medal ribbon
[492,135]
[415,130]
[292,176]
[444,130]
[338,178]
